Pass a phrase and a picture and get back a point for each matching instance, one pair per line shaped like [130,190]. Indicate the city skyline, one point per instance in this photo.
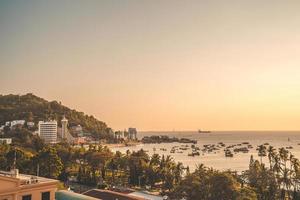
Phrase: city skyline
[158,65]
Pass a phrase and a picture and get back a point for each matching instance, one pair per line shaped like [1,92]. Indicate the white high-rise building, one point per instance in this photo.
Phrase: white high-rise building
[48,131]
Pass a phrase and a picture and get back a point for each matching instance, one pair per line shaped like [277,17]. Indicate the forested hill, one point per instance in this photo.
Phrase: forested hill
[32,108]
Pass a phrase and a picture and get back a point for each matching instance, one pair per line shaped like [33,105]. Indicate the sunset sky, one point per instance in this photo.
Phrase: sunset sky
[158,65]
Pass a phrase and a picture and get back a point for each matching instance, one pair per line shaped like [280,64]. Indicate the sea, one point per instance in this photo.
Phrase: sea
[216,159]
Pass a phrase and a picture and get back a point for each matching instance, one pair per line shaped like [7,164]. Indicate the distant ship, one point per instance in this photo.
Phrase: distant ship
[200,131]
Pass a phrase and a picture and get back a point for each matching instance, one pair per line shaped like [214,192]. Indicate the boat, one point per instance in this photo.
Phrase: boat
[228,153]
[200,131]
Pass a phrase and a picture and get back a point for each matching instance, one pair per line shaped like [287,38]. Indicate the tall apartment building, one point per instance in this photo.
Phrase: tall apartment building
[48,131]
[132,133]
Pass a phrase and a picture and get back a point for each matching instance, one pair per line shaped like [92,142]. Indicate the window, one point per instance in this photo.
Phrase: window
[26,197]
[45,195]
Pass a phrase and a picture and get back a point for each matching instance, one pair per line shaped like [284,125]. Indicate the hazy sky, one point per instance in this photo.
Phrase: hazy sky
[158,65]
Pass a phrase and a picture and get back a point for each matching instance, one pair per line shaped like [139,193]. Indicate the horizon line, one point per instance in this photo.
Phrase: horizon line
[235,130]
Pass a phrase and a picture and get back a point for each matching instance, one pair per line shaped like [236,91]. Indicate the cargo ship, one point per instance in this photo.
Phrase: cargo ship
[200,131]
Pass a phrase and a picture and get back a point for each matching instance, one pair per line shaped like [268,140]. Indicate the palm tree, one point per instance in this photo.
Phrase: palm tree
[178,172]
[294,167]
[200,167]
[277,168]
[285,178]
[155,159]
[262,152]
[112,166]
[271,156]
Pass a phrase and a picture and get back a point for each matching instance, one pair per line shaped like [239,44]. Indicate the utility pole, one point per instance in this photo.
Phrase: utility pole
[38,170]
[14,167]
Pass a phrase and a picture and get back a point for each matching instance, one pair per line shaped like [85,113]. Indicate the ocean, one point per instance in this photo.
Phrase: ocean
[216,159]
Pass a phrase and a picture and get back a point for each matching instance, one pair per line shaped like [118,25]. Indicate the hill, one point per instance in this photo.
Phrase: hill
[33,108]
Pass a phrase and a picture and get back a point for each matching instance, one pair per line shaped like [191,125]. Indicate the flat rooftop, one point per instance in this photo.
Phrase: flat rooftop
[26,179]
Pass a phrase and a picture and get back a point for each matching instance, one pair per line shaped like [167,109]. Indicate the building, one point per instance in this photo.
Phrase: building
[5,140]
[132,133]
[17,122]
[111,195]
[80,140]
[68,195]
[15,186]
[48,131]
[64,127]
[2,128]
[30,124]
[148,196]
[63,132]
[119,135]
[77,130]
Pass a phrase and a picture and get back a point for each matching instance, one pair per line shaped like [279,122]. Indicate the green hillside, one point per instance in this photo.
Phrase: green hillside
[32,108]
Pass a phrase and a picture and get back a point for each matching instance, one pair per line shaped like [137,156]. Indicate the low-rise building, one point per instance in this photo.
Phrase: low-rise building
[2,128]
[15,186]
[80,140]
[77,130]
[30,124]
[5,140]
[111,195]
[64,195]
[17,122]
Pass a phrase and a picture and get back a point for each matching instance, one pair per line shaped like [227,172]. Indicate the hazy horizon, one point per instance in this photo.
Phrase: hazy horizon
[158,65]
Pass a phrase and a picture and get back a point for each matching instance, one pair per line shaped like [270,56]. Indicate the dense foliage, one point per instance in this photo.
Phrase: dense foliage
[209,184]
[274,178]
[33,109]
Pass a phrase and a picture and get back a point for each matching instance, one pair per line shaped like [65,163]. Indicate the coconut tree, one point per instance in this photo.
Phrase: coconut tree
[112,165]
[137,165]
[167,167]
[285,172]
[295,175]
[178,171]
[262,151]
[271,155]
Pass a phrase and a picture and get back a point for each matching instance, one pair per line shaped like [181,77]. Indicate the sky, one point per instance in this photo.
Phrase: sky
[158,65]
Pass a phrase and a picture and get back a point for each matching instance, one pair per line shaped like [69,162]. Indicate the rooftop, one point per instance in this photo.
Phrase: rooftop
[24,178]
[110,195]
[68,195]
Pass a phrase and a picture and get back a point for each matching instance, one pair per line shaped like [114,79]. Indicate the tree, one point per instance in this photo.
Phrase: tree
[246,193]
[208,184]
[263,180]
[285,178]
[50,164]
[271,155]
[261,152]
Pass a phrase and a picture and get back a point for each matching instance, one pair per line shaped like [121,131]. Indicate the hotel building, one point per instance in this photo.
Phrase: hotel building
[48,131]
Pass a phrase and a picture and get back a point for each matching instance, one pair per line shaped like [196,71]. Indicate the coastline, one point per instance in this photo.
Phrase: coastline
[117,145]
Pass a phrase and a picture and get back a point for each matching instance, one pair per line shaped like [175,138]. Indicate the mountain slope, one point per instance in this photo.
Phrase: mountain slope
[32,108]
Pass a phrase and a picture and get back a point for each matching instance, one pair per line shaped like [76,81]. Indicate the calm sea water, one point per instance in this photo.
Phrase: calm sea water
[217,159]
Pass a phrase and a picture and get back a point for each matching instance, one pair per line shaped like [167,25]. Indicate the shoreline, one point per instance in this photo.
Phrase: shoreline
[117,145]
